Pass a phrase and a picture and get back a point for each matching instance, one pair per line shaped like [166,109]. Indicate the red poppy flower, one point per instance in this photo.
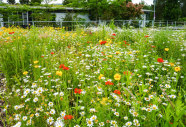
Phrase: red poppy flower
[103,42]
[11,32]
[112,38]
[170,123]
[88,42]
[146,36]
[126,43]
[65,68]
[103,53]
[42,56]
[117,92]
[76,90]
[52,53]
[61,65]
[68,117]
[109,83]
[160,60]
[114,34]
[127,72]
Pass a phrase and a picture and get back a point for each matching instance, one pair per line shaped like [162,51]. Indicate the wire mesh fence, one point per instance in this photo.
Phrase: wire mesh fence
[72,25]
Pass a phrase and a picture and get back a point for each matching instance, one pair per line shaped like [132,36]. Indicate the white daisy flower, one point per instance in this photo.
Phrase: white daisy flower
[50,120]
[59,123]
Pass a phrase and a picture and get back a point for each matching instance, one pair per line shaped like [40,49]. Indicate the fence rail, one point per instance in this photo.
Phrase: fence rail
[71,25]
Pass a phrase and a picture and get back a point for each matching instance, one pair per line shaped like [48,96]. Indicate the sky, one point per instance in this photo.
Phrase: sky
[149,2]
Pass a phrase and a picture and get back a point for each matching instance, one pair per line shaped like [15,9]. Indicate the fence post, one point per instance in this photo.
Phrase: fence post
[61,24]
[167,24]
[175,24]
[1,24]
[143,23]
[139,23]
[33,23]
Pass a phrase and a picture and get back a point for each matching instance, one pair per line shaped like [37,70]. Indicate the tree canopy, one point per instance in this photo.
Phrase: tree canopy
[168,9]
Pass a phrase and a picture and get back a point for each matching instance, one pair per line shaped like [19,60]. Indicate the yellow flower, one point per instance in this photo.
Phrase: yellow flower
[36,66]
[172,64]
[35,62]
[166,49]
[129,53]
[177,69]
[59,73]
[25,72]
[137,51]
[123,61]
[31,115]
[96,121]
[100,76]
[118,52]
[109,55]
[117,76]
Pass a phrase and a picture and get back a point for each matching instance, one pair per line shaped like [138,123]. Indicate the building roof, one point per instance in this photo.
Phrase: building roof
[145,10]
[42,7]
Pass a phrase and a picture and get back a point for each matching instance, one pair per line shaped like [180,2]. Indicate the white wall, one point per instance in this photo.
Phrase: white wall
[60,16]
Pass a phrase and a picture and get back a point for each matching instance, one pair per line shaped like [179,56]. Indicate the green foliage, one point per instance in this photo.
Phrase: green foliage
[66,2]
[113,10]
[182,19]
[176,115]
[183,6]
[172,10]
[168,9]
[42,16]
[107,10]
[35,2]
[72,25]
[24,1]
[11,1]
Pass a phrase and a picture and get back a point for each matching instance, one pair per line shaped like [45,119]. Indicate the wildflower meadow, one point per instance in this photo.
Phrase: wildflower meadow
[104,76]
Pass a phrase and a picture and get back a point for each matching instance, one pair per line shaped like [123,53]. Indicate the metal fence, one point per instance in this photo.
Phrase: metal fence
[72,25]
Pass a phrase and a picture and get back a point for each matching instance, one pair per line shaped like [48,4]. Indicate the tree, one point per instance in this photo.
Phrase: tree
[24,1]
[172,10]
[145,5]
[168,9]
[108,9]
[36,2]
[160,8]
[11,1]
[66,2]
[48,1]
[118,10]
[183,6]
